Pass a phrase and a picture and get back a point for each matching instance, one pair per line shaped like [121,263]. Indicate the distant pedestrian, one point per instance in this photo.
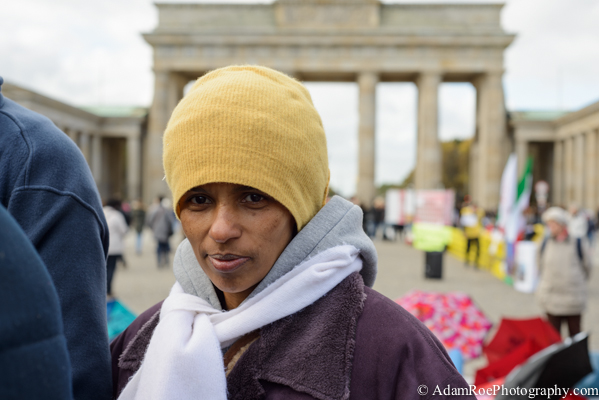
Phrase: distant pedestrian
[379,217]
[369,221]
[161,220]
[470,220]
[154,206]
[126,211]
[564,268]
[532,219]
[117,227]
[578,222]
[138,221]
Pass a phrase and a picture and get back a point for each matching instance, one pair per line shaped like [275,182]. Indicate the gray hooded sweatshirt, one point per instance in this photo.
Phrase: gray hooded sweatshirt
[338,223]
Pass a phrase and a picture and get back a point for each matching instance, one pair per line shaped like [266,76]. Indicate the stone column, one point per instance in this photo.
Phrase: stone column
[177,83]
[133,167]
[473,171]
[428,152]
[491,123]
[168,90]
[579,162]
[568,172]
[522,155]
[596,183]
[558,173]
[84,146]
[366,155]
[97,158]
[590,170]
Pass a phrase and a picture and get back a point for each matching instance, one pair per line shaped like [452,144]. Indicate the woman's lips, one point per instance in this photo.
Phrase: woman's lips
[227,263]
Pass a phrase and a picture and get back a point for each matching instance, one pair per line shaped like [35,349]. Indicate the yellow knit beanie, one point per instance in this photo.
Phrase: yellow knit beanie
[251,126]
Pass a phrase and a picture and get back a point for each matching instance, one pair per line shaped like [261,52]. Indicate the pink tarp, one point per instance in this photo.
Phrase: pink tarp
[452,317]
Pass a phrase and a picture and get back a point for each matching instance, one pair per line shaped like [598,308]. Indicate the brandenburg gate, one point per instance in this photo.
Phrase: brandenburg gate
[361,41]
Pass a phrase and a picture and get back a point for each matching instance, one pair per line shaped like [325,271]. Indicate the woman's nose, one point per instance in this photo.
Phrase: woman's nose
[224,226]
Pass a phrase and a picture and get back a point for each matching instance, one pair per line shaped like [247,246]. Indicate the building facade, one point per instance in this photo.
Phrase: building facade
[110,138]
[564,147]
[361,41]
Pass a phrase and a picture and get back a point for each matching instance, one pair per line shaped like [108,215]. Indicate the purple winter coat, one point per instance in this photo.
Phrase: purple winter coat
[353,343]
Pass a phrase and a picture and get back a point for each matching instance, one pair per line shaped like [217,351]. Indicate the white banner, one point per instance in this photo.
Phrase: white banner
[526,274]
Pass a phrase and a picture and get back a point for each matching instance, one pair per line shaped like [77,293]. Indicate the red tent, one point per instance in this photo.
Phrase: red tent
[514,342]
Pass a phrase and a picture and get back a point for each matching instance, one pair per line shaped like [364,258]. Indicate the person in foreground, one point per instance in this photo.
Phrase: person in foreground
[34,362]
[47,187]
[273,297]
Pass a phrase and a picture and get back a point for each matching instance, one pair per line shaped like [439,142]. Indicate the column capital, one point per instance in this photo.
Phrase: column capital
[429,75]
[488,77]
[367,80]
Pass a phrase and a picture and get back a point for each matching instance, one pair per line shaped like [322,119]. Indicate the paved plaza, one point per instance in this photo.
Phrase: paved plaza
[401,268]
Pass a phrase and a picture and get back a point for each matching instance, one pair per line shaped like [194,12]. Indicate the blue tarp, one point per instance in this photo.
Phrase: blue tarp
[119,318]
[591,381]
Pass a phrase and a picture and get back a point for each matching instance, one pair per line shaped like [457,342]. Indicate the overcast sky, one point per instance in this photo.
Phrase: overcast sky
[87,52]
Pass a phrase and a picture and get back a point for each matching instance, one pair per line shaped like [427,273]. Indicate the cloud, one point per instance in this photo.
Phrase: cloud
[79,52]
[555,52]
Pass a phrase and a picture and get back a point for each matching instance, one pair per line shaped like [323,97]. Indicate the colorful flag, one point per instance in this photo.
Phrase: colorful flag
[516,221]
[508,191]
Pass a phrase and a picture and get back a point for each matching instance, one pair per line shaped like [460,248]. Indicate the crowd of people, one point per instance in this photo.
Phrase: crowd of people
[564,256]
[121,217]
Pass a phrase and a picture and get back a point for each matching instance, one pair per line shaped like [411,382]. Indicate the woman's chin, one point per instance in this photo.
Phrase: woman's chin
[234,289]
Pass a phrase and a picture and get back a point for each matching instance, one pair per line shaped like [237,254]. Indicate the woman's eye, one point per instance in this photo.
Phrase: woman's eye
[253,198]
[199,200]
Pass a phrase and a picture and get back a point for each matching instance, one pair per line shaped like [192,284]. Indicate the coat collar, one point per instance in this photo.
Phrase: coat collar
[310,351]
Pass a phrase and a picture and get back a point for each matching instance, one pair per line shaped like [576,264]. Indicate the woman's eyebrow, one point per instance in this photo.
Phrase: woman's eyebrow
[241,188]
[198,189]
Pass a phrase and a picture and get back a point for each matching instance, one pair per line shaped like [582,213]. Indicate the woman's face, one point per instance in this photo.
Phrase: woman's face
[237,233]
[555,228]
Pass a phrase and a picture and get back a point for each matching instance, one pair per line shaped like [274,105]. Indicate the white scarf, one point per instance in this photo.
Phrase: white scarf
[184,358]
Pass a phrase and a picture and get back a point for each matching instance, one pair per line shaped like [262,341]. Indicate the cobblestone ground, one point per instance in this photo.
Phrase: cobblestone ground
[401,268]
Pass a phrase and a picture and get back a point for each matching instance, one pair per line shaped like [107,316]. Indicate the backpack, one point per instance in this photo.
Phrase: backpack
[578,248]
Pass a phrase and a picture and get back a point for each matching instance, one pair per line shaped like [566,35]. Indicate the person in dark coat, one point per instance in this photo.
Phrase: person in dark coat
[34,362]
[47,187]
[138,221]
[273,296]
[161,220]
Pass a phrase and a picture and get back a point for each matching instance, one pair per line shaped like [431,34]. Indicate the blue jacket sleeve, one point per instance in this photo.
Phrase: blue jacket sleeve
[46,185]
[34,362]
[67,236]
